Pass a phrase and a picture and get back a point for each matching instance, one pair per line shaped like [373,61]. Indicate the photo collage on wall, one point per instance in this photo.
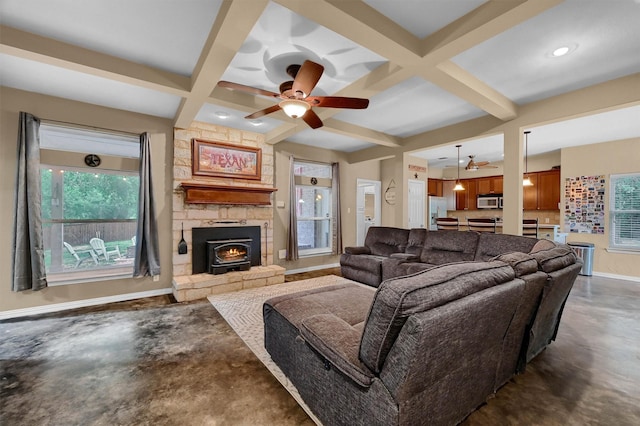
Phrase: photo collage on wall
[584,204]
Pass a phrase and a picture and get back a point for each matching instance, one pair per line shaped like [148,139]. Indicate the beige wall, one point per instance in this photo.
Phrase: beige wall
[349,173]
[46,107]
[604,159]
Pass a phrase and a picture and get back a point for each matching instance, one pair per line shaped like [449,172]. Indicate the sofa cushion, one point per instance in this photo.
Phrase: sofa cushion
[491,245]
[442,247]
[415,242]
[399,298]
[543,245]
[398,267]
[522,263]
[556,258]
[383,240]
[337,342]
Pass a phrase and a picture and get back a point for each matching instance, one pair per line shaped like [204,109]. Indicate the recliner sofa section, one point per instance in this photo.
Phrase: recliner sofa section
[425,348]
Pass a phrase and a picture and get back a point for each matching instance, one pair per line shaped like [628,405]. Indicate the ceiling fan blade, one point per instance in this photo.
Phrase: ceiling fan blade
[482,163]
[312,119]
[307,78]
[338,102]
[488,167]
[263,112]
[248,89]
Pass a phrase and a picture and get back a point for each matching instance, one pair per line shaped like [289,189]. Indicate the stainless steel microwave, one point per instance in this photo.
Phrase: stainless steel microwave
[489,202]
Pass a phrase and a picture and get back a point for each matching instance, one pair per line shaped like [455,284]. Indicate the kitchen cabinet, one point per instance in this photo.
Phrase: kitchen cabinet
[545,192]
[543,195]
[489,185]
[434,187]
[548,190]
[466,199]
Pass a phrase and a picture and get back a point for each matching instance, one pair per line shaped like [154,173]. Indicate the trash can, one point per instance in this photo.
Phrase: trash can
[585,252]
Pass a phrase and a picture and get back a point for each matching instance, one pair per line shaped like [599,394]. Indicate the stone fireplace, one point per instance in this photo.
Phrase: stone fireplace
[212,208]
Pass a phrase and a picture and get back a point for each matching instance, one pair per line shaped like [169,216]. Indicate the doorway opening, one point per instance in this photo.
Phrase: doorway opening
[368,207]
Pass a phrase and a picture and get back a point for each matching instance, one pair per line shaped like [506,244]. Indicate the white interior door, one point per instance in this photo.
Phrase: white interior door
[368,207]
[416,203]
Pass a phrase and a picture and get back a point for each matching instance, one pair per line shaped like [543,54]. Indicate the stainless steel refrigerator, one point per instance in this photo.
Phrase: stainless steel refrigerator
[437,208]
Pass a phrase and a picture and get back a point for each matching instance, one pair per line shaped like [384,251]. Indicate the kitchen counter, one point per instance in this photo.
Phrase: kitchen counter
[549,231]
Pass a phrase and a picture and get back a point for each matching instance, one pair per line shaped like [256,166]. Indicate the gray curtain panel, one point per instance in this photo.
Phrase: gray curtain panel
[335,190]
[147,248]
[29,271]
[292,237]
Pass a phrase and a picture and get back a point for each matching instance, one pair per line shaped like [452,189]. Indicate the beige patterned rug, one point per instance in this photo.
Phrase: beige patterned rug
[243,311]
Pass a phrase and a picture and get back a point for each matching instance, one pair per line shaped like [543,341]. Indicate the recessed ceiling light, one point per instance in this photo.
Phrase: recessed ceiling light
[256,122]
[222,114]
[562,50]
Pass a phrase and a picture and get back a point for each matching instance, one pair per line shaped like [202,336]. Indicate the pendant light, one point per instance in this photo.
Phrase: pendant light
[526,181]
[458,186]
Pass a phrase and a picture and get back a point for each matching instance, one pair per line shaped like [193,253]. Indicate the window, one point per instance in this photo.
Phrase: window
[314,209]
[624,212]
[89,214]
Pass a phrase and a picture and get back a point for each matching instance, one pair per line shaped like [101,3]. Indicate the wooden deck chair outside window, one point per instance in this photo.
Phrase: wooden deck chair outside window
[99,247]
[76,254]
[530,227]
[451,223]
[482,224]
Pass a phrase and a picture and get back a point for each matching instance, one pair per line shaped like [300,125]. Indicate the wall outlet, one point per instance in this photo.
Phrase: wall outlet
[156,278]
[282,254]
[546,220]
[280,204]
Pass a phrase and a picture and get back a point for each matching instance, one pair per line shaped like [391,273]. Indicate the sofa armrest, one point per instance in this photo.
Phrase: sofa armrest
[357,250]
[338,344]
[405,257]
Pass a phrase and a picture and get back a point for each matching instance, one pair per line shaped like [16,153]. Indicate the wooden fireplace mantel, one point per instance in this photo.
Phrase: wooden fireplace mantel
[202,193]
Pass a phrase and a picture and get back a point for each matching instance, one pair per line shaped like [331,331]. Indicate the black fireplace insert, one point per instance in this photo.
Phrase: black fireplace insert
[200,236]
[228,255]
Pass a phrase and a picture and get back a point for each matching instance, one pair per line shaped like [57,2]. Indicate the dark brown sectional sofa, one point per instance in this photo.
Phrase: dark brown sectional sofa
[444,319]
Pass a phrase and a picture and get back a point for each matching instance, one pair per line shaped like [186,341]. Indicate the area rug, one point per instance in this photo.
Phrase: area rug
[243,311]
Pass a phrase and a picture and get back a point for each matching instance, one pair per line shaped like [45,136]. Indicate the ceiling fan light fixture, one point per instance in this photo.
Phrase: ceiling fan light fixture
[294,108]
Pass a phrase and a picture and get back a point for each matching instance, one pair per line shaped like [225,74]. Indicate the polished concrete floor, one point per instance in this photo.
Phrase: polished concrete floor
[153,362]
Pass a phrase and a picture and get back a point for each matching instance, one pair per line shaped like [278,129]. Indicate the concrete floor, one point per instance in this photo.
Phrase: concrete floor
[153,362]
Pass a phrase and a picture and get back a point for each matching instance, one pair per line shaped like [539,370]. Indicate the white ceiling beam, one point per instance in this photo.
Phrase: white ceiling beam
[362,24]
[486,21]
[232,26]
[56,53]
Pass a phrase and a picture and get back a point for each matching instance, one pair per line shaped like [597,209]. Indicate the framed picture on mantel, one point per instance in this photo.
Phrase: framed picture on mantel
[217,159]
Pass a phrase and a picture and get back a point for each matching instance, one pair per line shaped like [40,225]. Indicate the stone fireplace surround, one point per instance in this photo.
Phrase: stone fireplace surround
[188,286]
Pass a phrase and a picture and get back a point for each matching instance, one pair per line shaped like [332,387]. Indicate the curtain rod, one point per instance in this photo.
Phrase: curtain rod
[82,126]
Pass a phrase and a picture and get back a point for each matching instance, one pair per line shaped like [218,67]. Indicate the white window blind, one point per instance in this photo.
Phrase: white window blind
[624,212]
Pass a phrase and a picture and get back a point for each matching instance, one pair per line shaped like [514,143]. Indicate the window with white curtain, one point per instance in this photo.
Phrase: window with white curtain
[89,214]
[314,207]
[624,212]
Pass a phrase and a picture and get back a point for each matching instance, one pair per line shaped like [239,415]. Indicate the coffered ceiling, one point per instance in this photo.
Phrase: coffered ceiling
[423,64]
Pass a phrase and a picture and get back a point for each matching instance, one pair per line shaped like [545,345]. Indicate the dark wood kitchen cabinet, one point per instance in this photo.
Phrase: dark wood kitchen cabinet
[489,185]
[545,192]
[466,199]
[434,187]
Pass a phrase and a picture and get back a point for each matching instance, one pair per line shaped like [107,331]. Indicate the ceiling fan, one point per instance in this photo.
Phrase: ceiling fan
[472,166]
[295,95]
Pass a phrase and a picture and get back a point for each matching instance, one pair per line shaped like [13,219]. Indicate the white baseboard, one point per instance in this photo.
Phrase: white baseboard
[57,307]
[616,276]
[311,268]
